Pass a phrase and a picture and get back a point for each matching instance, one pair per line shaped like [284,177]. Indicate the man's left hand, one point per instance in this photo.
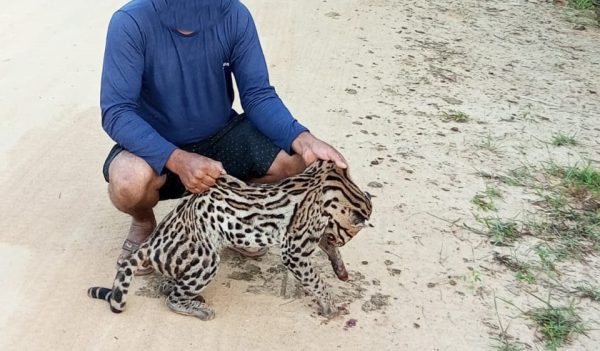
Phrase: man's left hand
[312,149]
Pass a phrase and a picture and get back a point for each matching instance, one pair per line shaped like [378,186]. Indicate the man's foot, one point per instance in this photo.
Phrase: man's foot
[253,253]
[138,233]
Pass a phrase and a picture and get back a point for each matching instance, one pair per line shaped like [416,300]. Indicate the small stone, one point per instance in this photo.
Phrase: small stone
[365,262]
[388,262]
[455,129]
[351,323]
[332,14]
[394,271]
[351,91]
[579,27]
[431,285]
[416,325]
[375,185]
[375,162]
[452,282]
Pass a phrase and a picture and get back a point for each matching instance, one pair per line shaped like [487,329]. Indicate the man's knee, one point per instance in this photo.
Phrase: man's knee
[130,180]
[286,166]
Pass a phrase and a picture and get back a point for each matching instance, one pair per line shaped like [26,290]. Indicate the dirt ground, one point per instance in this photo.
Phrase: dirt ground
[372,77]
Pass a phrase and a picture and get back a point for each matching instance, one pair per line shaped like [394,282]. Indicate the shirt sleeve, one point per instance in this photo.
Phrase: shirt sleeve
[259,99]
[120,92]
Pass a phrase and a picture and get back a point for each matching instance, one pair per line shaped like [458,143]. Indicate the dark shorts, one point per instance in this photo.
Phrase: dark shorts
[243,150]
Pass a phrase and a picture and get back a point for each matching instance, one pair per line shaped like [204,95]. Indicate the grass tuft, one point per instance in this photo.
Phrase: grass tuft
[525,276]
[455,116]
[589,291]
[507,345]
[582,4]
[588,177]
[485,201]
[488,143]
[501,232]
[517,177]
[561,139]
[558,325]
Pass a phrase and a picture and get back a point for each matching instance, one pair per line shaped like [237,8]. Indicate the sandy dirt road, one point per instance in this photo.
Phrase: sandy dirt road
[372,77]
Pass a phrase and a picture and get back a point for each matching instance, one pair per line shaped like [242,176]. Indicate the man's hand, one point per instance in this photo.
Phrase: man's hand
[197,173]
[312,149]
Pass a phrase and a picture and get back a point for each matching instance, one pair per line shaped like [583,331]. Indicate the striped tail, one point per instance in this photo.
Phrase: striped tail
[100,293]
[118,294]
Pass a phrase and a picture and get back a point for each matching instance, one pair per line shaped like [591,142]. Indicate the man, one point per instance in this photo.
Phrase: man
[167,99]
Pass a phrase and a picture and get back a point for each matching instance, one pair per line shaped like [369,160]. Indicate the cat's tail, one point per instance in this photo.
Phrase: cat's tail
[117,296]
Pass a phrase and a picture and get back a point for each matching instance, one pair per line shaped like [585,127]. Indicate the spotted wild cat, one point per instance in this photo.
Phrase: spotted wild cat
[319,207]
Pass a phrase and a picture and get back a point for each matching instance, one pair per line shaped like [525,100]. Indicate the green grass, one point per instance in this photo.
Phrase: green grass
[581,4]
[588,177]
[455,116]
[572,211]
[560,139]
[488,143]
[525,276]
[558,325]
[589,291]
[492,192]
[553,169]
[566,235]
[503,344]
[501,232]
[485,201]
[548,256]
[519,176]
[472,278]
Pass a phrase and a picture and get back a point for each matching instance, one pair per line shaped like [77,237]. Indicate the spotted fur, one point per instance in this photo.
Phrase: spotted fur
[320,207]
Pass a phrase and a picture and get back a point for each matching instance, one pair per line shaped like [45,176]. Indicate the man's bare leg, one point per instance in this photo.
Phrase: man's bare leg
[133,189]
[283,166]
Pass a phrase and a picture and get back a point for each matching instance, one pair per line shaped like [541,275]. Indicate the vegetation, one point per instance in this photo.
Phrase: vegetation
[455,116]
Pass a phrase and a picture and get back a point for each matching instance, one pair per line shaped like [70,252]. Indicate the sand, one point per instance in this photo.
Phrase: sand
[371,77]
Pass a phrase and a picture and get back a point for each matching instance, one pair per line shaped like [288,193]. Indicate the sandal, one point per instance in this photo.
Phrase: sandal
[250,253]
[130,246]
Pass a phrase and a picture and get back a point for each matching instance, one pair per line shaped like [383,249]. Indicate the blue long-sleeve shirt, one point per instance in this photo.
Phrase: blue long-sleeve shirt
[162,89]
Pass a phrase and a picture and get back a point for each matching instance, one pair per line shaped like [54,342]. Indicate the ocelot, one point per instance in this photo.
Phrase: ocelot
[319,207]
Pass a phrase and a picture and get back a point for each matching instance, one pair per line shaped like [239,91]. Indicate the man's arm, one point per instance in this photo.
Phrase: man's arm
[120,91]
[260,102]
[121,84]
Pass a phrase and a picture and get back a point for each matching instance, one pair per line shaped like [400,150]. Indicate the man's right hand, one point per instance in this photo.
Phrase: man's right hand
[197,173]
